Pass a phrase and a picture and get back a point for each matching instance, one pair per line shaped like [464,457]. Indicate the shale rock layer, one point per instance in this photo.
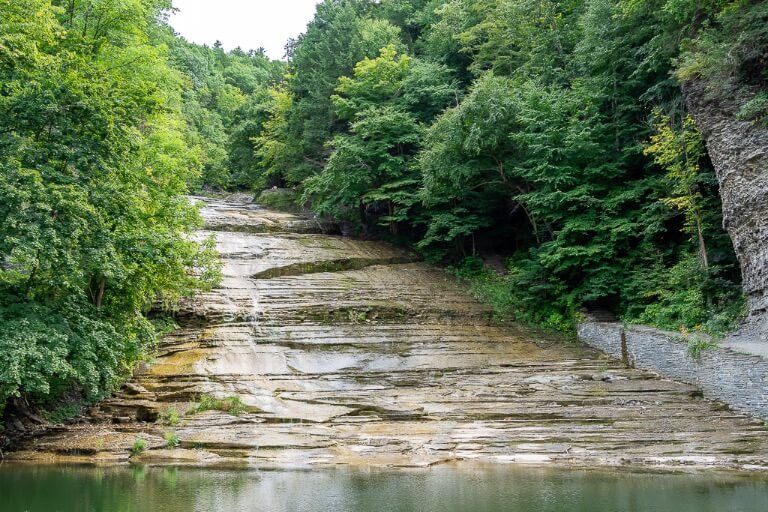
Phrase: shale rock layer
[345,352]
[739,153]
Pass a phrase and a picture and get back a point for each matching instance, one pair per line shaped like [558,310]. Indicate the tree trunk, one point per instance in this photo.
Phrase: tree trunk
[703,255]
[100,293]
[392,223]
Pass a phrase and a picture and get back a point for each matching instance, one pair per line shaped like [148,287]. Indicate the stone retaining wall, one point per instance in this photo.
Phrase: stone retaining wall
[740,380]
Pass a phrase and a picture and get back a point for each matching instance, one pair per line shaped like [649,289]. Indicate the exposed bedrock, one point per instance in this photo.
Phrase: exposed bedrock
[347,352]
[739,152]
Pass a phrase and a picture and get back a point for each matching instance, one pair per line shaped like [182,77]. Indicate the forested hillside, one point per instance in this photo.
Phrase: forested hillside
[95,159]
[224,103]
[553,134]
[550,135]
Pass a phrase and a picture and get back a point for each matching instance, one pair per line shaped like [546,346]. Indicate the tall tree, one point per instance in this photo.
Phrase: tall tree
[93,167]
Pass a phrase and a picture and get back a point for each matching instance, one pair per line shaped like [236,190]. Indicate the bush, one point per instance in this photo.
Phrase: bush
[170,417]
[522,295]
[63,413]
[285,199]
[139,446]
[686,297]
[172,440]
[697,344]
[94,222]
[47,349]
[755,110]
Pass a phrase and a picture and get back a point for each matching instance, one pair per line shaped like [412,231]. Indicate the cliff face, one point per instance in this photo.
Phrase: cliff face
[739,152]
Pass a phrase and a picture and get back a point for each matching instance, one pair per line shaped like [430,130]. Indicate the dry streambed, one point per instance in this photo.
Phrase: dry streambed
[320,350]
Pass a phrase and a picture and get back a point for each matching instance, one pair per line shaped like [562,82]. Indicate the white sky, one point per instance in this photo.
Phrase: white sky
[249,24]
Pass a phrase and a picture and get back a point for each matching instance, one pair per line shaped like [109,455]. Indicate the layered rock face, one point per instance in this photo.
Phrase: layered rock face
[739,152]
[347,352]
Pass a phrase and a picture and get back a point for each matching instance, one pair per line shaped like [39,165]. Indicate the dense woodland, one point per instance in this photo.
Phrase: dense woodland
[550,135]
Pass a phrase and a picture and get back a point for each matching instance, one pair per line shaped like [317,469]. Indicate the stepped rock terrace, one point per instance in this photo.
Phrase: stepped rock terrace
[346,352]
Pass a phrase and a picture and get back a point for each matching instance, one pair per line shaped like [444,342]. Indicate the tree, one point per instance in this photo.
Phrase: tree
[678,151]
[224,107]
[94,163]
[337,38]
[273,150]
[370,172]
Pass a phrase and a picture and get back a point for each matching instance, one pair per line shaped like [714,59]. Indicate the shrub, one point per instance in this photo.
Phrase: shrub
[522,295]
[139,446]
[63,413]
[171,440]
[280,199]
[170,417]
[697,344]
[686,297]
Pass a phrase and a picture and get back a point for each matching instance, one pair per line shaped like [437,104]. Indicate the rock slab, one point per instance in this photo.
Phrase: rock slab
[347,352]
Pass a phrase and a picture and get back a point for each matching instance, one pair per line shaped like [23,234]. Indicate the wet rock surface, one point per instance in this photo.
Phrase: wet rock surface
[344,352]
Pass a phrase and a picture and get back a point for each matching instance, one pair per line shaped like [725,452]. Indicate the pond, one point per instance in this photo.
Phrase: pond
[443,489]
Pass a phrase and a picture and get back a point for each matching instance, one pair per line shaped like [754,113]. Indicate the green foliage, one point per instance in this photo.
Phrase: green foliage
[139,447]
[371,167]
[687,296]
[756,109]
[172,440]
[231,404]
[224,105]
[679,151]
[697,344]
[533,37]
[274,153]
[284,199]
[520,127]
[511,127]
[730,42]
[510,297]
[337,38]
[63,413]
[94,164]
[169,416]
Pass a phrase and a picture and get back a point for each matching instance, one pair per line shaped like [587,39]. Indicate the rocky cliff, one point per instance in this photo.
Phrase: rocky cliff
[739,152]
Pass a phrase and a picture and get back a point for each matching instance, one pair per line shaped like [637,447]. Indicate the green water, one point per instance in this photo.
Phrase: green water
[129,489]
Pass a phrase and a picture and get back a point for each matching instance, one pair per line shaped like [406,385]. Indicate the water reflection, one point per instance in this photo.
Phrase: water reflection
[143,489]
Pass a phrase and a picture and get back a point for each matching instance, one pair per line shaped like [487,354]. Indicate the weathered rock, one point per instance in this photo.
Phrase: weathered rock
[385,363]
[133,389]
[739,152]
[251,218]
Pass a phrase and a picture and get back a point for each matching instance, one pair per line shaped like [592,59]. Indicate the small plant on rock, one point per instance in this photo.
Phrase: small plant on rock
[139,447]
[170,417]
[172,440]
[231,404]
[698,344]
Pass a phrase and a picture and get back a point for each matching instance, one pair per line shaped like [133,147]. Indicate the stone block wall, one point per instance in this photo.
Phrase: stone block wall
[740,380]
